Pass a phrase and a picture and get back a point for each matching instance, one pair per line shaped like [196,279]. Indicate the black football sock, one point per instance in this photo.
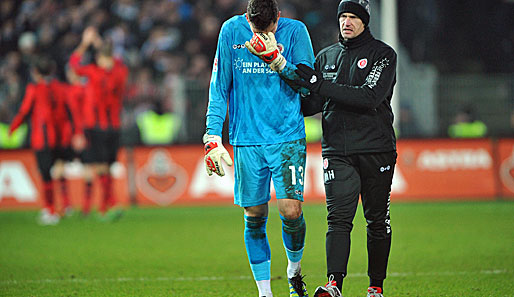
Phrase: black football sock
[377,283]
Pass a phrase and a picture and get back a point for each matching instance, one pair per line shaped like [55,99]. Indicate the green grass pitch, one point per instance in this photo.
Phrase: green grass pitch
[439,249]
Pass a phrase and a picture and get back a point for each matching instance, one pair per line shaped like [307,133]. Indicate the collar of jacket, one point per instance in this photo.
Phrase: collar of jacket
[363,38]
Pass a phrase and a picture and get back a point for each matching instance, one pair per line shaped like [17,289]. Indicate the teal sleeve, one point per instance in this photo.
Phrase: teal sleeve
[220,85]
[288,74]
[303,53]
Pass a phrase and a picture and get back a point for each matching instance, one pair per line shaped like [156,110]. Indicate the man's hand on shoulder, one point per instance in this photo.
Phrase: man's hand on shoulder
[309,78]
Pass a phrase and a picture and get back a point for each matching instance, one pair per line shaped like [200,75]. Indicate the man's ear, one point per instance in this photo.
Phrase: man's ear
[276,23]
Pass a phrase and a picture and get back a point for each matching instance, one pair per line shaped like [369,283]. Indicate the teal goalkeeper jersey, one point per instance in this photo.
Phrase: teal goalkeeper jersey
[263,109]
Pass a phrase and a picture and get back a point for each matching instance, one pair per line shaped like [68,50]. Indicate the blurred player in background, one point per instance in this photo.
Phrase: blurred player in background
[75,93]
[266,129]
[101,115]
[70,140]
[352,85]
[42,101]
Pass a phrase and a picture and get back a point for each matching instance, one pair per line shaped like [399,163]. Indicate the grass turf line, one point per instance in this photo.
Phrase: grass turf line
[439,249]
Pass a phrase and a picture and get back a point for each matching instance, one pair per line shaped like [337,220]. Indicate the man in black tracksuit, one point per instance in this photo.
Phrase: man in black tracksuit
[352,85]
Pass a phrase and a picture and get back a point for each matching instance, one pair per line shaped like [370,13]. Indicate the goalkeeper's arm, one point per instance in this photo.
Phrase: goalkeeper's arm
[289,75]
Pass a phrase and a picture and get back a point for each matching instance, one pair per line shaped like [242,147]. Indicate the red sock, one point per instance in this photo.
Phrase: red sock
[64,193]
[111,201]
[107,201]
[48,196]
[86,206]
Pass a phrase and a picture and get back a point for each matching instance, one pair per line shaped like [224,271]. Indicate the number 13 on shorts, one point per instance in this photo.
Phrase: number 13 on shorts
[293,157]
[293,175]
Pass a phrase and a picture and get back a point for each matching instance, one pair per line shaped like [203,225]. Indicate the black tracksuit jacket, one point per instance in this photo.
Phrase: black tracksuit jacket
[355,96]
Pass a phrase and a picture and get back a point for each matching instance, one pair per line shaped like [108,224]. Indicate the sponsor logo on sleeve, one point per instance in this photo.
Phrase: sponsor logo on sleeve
[215,65]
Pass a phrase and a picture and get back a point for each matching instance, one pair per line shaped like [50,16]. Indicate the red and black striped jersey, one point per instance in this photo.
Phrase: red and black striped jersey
[103,94]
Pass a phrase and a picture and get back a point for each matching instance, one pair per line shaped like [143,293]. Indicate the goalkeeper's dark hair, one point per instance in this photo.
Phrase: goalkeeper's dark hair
[262,13]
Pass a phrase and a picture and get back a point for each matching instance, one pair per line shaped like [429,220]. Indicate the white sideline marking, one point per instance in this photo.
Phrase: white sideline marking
[222,278]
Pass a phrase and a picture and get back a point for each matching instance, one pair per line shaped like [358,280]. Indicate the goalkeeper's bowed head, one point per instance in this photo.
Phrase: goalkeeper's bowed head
[214,153]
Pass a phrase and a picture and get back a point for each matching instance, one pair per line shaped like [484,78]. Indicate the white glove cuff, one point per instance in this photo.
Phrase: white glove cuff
[279,64]
[211,138]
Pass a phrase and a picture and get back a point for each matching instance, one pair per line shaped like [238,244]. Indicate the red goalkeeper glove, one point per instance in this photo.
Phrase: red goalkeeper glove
[214,152]
[264,46]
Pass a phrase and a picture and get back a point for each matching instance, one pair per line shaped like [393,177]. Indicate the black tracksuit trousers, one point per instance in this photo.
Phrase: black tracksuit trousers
[369,175]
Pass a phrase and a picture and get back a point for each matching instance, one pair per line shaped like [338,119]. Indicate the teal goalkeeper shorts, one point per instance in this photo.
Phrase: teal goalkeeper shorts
[255,167]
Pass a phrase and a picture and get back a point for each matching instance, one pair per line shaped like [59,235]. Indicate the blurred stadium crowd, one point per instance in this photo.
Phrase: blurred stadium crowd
[168,46]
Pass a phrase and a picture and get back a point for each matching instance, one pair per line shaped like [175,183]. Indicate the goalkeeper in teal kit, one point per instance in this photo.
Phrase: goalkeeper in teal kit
[253,71]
